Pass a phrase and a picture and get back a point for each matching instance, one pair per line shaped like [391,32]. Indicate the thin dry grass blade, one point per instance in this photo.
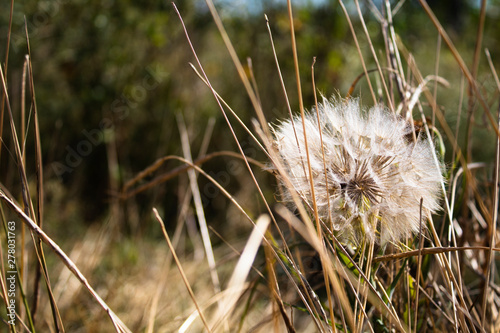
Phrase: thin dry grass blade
[308,232]
[310,294]
[492,68]
[245,127]
[152,311]
[325,276]
[430,250]
[374,54]
[355,38]
[490,257]
[39,213]
[263,124]
[238,206]
[241,71]
[275,290]
[333,272]
[199,206]
[282,82]
[270,255]
[306,146]
[455,287]
[224,191]
[451,137]
[263,129]
[461,64]
[28,204]
[6,66]
[394,55]
[255,86]
[181,271]
[24,262]
[457,125]
[65,259]
[247,85]
[436,74]
[228,195]
[479,39]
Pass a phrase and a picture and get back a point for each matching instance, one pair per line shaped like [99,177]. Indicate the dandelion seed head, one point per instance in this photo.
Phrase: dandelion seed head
[368,178]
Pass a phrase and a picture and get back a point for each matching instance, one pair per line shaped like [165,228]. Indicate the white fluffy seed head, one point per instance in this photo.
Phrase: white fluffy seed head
[368,177]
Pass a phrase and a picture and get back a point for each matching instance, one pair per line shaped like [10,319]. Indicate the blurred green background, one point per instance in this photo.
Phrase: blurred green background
[111,76]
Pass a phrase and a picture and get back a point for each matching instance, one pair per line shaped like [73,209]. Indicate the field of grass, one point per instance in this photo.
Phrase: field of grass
[328,167]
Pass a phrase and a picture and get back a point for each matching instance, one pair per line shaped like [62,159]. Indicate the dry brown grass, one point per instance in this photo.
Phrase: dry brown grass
[304,279]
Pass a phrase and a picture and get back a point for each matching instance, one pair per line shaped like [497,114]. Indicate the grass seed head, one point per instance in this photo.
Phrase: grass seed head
[368,178]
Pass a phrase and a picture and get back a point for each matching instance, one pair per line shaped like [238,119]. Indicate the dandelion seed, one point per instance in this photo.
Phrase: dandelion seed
[369,182]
